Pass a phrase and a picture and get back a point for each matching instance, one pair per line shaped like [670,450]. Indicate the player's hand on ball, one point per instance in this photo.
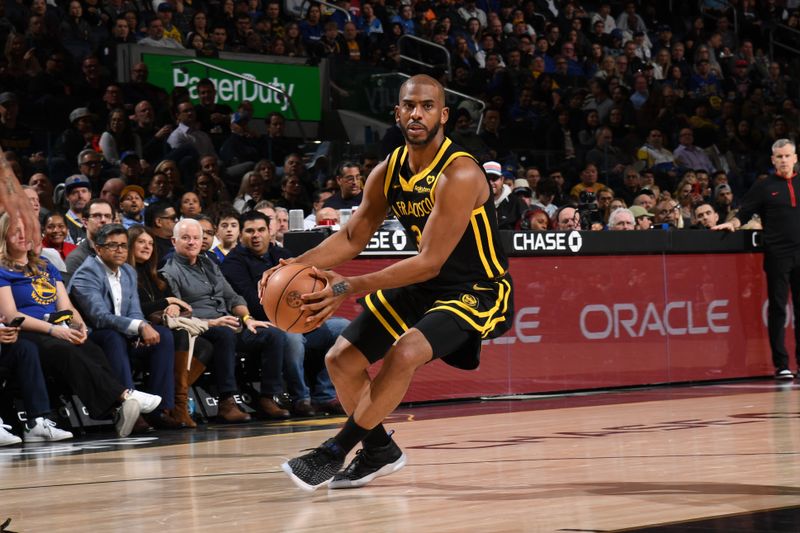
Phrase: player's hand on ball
[265,276]
[322,304]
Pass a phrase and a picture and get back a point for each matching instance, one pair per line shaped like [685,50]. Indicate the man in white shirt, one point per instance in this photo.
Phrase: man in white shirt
[187,133]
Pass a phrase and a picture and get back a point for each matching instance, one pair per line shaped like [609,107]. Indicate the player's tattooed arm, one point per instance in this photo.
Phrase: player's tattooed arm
[341,287]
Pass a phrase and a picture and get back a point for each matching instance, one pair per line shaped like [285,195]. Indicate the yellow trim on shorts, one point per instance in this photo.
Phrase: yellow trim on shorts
[391,310]
[490,323]
[380,317]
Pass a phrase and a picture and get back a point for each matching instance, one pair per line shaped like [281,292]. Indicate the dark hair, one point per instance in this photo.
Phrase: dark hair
[87,209]
[226,212]
[155,210]
[347,163]
[253,215]
[107,231]
[150,266]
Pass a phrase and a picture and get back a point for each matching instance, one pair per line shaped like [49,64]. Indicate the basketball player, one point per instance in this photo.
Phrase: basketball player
[438,304]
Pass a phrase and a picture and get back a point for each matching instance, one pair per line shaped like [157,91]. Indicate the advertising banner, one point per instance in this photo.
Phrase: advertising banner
[614,321]
[301,82]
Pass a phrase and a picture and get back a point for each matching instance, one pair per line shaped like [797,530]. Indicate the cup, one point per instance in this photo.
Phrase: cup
[296,218]
[344,216]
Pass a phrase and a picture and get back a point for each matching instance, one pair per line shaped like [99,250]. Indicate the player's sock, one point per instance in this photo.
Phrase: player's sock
[350,435]
[377,437]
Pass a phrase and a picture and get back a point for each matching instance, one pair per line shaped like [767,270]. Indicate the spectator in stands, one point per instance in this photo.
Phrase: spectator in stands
[155,36]
[723,202]
[153,136]
[72,140]
[654,154]
[95,214]
[240,146]
[188,134]
[567,218]
[588,182]
[90,164]
[131,206]
[118,137]
[44,189]
[227,234]
[293,195]
[159,188]
[197,280]
[243,269]
[668,212]
[276,145]
[508,206]
[646,199]
[608,160]
[77,191]
[190,205]
[689,156]
[705,215]
[687,193]
[643,218]
[621,219]
[160,217]
[251,191]
[349,180]
[212,117]
[54,232]
[111,191]
[32,288]
[157,302]
[105,289]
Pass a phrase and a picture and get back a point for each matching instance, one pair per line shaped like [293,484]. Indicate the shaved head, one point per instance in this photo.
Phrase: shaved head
[422,79]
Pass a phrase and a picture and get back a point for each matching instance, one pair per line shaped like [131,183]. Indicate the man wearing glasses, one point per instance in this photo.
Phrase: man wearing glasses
[104,288]
[160,217]
[349,181]
[96,214]
[668,212]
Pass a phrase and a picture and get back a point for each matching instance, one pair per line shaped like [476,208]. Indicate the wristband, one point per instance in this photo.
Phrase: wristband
[245,318]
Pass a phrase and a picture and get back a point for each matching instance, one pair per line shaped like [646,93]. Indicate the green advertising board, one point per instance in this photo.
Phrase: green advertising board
[301,82]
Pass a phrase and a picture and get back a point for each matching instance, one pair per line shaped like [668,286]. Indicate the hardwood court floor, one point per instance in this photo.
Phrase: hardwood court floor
[596,462]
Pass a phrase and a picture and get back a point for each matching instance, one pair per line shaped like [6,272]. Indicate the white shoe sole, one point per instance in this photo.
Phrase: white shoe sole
[130,412]
[11,442]
[299,482]
[391,468]
[46,439]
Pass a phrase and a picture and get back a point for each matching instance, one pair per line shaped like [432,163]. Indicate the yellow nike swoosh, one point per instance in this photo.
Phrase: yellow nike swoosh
[479,288]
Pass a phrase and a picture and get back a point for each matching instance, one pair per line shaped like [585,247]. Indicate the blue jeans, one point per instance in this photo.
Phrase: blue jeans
[270,345]
[320,341]
[160,361]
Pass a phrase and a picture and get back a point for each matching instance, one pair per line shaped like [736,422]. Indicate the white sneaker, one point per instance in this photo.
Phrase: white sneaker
[6,438]
[45,430]
[125,417]
[147,402]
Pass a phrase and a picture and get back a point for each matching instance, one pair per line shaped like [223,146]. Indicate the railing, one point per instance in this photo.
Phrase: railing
[773,42]
[480,103]
[406,37]
[271,87]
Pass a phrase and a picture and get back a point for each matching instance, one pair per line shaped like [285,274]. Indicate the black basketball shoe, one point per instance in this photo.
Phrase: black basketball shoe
[368,464]
[316,468]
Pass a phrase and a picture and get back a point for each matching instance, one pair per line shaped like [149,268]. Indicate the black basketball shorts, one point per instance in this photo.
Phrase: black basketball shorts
[454,320]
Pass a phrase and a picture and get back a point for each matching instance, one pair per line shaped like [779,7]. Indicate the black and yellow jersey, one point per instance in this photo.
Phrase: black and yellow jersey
[478,256]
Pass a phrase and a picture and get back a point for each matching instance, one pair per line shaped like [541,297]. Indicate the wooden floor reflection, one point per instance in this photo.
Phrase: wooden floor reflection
[636,459]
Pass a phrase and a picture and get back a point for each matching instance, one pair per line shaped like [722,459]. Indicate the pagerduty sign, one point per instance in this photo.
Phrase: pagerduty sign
[301,82]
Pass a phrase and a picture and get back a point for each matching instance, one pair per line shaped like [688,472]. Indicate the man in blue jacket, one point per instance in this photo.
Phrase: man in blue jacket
[105,290]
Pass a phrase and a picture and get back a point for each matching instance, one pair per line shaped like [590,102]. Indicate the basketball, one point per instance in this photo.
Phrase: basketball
[281,299]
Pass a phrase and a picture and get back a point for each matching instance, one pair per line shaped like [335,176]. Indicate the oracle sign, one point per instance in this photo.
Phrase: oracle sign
[601,321]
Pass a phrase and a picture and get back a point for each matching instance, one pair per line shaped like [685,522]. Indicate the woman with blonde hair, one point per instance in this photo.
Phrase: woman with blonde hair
[32,288]
[251,191]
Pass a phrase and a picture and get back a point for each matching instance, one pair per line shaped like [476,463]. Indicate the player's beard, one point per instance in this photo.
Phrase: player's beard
[431,134]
